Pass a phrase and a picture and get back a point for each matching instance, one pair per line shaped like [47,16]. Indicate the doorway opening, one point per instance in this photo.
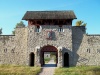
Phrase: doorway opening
[66,59]
[31,59]
[49,56]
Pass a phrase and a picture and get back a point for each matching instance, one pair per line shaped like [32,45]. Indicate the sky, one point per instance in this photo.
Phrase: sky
[12,11]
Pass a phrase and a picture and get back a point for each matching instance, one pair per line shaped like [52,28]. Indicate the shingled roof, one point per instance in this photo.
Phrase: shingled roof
[49,15]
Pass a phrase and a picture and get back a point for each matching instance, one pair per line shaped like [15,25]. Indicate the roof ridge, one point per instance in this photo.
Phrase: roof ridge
[55,14]
[49,10]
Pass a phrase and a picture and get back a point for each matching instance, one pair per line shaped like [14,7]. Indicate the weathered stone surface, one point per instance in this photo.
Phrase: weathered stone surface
[82,49]
[85,47]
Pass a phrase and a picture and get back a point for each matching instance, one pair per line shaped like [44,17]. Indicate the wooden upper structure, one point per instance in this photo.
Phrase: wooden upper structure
[49,17]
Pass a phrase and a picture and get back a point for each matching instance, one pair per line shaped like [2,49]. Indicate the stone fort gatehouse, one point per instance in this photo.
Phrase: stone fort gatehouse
[50,31]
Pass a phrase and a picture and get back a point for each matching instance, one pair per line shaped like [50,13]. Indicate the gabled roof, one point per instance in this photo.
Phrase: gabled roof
[49,15]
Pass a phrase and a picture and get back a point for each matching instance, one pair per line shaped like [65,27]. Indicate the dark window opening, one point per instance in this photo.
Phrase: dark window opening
[60,29]
[38,29]
[12,51]
[5,50]
[98,50]
[88,50]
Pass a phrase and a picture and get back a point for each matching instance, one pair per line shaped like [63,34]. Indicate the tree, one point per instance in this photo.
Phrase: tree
[80,23]
[19,25]
[13,32]
[0,31]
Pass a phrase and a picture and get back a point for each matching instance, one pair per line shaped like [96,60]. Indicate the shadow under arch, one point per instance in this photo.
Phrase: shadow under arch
[32,56]
[48,48]
[66,59]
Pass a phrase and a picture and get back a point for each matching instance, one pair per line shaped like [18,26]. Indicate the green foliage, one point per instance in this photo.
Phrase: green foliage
[52,53]
[54,57]
[19,25]
[0,31]
[18,70]
[80,70]
[13,32]
[47,60]
[80,23]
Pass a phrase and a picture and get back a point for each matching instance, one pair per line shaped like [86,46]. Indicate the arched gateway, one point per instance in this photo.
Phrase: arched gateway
[66,59]
[37,58]
[48,48]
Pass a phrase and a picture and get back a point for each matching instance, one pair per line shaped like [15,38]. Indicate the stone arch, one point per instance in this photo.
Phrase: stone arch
[66,59]
[48,48]
[32,57]
[51,48]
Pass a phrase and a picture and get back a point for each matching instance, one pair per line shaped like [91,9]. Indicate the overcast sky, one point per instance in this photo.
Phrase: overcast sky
[12,11]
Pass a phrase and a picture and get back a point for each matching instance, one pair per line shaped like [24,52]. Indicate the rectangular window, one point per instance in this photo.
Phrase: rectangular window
[37,30]
[5,50]
[88,50]
[60,29]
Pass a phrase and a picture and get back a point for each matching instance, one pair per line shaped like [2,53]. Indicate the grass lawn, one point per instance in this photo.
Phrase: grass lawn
[18,70]
[47,60]
[81,70]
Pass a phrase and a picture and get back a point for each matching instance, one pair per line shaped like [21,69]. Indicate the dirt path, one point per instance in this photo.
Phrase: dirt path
[48,69]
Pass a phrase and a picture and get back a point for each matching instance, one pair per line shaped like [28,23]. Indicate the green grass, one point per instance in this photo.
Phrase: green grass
[18,70]
[81,70]
[53,56]
[47,60]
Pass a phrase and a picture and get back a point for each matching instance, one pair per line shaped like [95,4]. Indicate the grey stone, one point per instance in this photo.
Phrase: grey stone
[83,49]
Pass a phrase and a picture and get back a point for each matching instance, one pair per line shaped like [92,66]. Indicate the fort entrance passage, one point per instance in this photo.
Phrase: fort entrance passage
[48,48]
[59,58]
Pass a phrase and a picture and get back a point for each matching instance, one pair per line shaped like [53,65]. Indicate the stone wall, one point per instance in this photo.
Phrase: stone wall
[93,49]
[17,49]
[13,47]
[7,45]
[85,47]
[21,45]
[40,38]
